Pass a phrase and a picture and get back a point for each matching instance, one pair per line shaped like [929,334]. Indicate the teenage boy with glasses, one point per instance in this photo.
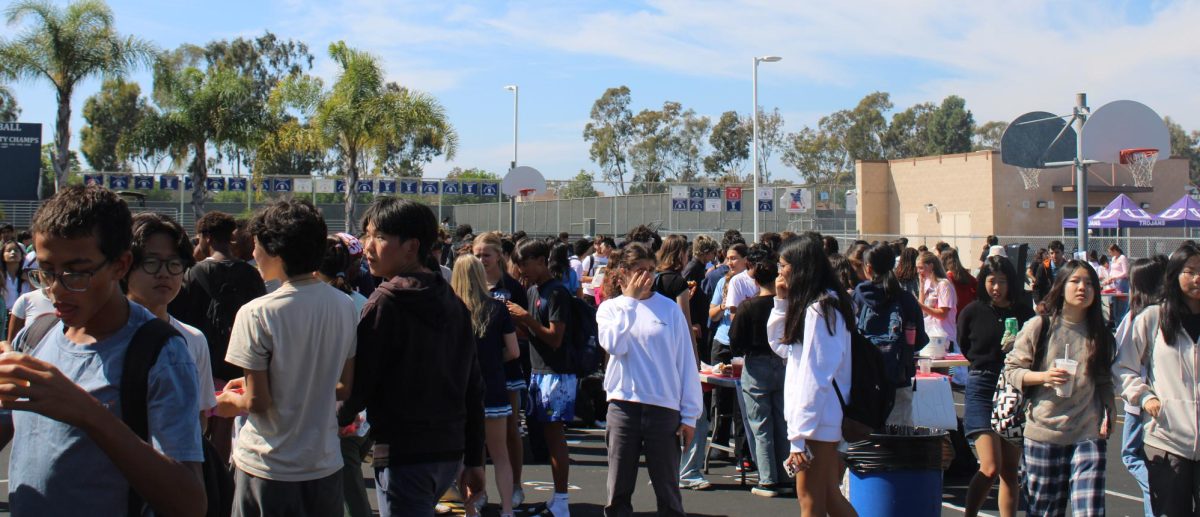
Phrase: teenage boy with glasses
[72,450]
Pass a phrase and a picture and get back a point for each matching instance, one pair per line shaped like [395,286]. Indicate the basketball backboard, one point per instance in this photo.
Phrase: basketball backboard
[1123,125]
[1029,141]
[523,178]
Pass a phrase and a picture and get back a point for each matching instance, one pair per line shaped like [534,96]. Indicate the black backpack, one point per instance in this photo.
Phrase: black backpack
[872,397]
[226,295]
[143,351]
[581,338]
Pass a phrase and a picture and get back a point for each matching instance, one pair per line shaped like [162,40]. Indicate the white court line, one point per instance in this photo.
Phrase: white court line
[1123,496]
[963,510]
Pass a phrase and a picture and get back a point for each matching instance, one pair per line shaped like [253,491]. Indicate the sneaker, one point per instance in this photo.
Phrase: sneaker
[765,491]
[518,496]
[558,506]
[699,484]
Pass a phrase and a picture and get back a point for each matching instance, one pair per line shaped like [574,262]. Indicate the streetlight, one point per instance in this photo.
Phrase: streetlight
[754,162]
[512,223]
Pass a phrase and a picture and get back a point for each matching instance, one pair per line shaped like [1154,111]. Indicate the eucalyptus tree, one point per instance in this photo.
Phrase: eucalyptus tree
[65,45]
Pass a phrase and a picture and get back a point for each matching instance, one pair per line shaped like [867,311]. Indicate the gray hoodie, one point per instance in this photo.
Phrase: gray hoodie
[1148,367]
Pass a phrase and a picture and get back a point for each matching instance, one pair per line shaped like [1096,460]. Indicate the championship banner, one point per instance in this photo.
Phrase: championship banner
[712,192]
[281,185]
[733,193]
[766,194]
[387,187]
[187,183]
[237,184]
[119,181]
[712,205]
[93,179]
[733,205]
[143,182]
[303,185]
[364,186]
[408,187]
[215,184]
[679,199]
[696,192]
[340,186]
[168,182]
[490,189]
[470,189]
[449,187]
[429,187]
[325,185]
[696,205]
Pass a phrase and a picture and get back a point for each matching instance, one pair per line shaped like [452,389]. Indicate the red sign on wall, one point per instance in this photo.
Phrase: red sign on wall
[733,193]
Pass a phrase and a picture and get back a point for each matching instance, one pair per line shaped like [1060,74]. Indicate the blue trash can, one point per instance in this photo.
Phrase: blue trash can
[897,475]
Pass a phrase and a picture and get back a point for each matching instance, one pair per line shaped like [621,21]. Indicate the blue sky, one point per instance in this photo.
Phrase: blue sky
[1004,58]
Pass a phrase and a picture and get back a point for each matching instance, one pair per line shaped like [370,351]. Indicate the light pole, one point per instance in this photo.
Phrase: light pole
[754,143]
[512,223]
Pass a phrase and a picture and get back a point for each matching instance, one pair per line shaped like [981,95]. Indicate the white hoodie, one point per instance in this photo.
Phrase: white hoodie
[652,360]
[810,403]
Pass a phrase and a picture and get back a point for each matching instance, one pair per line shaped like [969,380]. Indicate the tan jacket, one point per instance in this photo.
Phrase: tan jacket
[1148,366]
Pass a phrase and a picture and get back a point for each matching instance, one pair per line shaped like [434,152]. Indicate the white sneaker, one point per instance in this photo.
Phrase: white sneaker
[518,496]
[559,507]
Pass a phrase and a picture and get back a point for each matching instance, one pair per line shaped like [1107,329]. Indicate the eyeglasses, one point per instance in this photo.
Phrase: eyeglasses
[75,281]
[152,266]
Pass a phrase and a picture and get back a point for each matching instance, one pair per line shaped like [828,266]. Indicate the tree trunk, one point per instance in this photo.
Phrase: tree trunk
[62,140]
[199,180]
[351,164]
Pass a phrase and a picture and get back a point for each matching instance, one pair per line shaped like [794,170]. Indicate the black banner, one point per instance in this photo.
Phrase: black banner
[20,160]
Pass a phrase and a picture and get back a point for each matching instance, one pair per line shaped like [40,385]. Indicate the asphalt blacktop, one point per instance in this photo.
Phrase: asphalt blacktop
[727,498]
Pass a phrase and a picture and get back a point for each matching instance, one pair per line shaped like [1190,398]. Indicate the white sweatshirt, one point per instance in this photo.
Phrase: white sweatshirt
[810,404]
[651,358]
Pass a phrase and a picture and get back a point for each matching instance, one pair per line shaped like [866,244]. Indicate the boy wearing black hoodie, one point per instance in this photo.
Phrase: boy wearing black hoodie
[416,370]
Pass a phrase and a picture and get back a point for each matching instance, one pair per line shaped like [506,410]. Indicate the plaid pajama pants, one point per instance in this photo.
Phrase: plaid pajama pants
[1054,473]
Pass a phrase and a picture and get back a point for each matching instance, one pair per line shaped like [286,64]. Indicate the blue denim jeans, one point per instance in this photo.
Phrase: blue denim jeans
[762,392]
[1133,455]
[692,465]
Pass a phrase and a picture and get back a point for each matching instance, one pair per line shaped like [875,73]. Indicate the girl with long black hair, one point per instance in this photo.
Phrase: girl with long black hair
[1067,428]
[981,331]
[810,328]
[1145,288]
[1157,366]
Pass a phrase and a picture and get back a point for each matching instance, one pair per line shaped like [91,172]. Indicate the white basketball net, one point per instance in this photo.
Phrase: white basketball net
[1029,176]
[1141,165]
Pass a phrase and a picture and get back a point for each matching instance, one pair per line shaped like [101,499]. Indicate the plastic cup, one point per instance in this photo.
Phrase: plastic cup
[1071,366]
[925,365]
[737,366]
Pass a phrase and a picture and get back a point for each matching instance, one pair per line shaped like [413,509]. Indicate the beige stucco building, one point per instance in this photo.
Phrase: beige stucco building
[965,197]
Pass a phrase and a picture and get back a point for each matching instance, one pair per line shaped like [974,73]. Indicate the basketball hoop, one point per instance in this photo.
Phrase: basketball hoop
[525,192]
[1141,164]
[1029,175]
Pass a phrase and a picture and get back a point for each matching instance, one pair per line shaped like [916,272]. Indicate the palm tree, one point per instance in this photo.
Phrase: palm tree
[361,115]
[9,110]
[199,108]
[66,45]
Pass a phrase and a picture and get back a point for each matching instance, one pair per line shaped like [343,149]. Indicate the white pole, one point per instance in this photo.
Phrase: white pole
[754,153]
[1081,177]
[512,223]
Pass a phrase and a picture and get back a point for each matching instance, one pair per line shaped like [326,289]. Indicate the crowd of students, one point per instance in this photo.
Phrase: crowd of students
[251,369]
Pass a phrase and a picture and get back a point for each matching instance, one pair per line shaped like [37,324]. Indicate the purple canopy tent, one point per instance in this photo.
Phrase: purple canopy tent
[1184,213]
[1121,213]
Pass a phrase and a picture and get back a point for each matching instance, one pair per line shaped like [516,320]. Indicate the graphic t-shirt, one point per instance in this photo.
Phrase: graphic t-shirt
[56,469]
[301,335]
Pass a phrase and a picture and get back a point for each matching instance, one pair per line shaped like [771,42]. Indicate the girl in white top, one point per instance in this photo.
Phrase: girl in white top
[652,382]
[810,327]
